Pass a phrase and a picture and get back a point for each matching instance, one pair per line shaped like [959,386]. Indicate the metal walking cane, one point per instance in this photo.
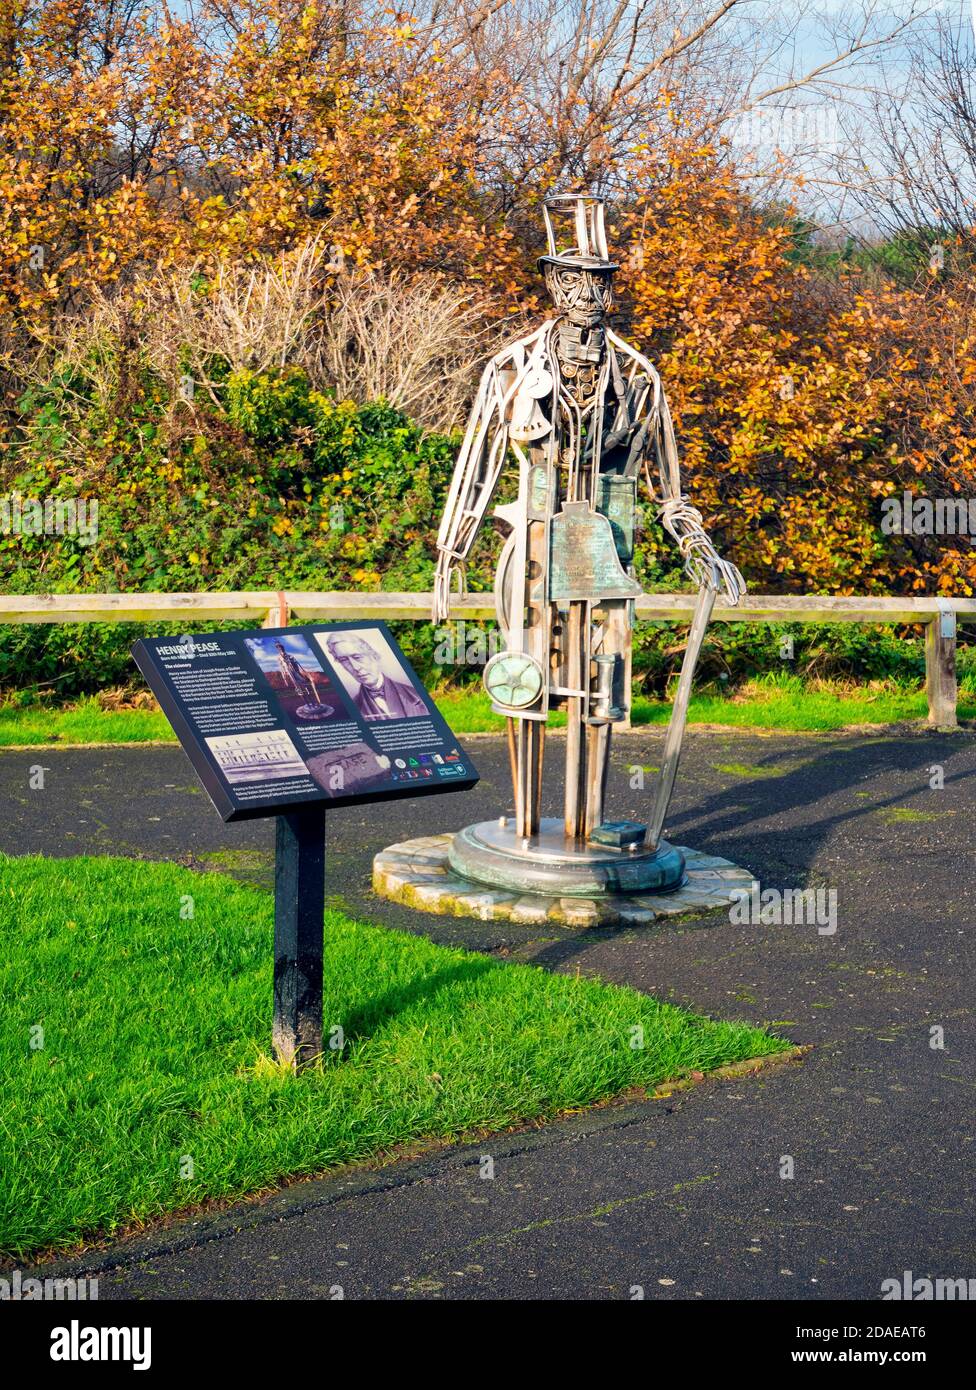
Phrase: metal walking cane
[679,713]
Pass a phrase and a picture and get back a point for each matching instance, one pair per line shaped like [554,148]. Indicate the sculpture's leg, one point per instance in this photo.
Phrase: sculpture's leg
[511,725]
[526,741]
[538,643]
[606,668]
[597,766]
[679,714]
[521,787]
[575,710]
[535,800]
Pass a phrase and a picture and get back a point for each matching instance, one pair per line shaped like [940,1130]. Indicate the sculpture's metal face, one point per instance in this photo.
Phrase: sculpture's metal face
[584,296]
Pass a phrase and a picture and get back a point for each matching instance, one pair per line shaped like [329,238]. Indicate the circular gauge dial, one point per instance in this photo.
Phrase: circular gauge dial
[513,679]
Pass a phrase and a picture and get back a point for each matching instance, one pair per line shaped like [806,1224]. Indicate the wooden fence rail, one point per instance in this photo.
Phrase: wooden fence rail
[939,616]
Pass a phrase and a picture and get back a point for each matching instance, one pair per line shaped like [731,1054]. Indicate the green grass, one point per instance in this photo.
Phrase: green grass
[470,712]
[771,702]
[156,1033]
[749,770]
[899,815]
[85,722]
[786,704]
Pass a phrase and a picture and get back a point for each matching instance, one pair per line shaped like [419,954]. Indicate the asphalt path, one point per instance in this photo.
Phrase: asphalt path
[819,1179]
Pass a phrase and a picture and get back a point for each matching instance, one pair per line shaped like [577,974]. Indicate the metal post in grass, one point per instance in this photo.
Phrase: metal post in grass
[299,913]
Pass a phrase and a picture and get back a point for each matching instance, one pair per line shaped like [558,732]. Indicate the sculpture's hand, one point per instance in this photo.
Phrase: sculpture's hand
[441,607]
[702,561]
[717,574]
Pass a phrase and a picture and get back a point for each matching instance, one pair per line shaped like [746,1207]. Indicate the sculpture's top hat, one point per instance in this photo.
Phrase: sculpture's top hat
[584,215]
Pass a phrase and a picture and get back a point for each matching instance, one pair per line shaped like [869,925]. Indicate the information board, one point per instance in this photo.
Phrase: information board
[280,717]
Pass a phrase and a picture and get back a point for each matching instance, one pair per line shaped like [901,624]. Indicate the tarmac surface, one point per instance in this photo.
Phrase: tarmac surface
[813,1180]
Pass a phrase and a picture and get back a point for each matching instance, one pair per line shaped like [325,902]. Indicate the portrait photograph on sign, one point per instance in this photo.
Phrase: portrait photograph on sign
[377,684]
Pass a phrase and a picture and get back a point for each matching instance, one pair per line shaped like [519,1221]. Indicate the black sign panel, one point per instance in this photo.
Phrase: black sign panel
[281,717]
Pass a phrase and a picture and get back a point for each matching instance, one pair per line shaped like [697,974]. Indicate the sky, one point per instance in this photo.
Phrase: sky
[808,127]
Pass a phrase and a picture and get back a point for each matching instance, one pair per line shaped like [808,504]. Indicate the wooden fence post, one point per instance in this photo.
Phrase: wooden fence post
[278,612]
[940,667]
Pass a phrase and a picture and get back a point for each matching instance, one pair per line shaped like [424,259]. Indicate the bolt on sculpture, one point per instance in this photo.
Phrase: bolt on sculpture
[585,417]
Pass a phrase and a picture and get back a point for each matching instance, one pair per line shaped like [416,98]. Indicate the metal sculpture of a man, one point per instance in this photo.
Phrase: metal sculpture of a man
[295,676]
[586,420]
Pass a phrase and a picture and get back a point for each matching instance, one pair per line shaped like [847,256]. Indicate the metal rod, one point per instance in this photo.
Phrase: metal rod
[522,781]
[604,770]
[540,757]
[597,740]
[679,714]
[598,758]
[513,760]
[574,722]
[531,774]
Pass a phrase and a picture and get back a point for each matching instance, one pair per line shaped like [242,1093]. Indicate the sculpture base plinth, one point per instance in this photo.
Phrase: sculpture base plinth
[314,711]
[551,864]
[422,874]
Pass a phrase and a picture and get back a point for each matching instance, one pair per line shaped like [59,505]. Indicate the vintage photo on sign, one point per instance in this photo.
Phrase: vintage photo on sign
[376,682]
[291,668]
[265,756]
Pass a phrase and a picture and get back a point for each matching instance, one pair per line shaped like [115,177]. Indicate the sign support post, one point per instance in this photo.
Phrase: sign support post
[299,912]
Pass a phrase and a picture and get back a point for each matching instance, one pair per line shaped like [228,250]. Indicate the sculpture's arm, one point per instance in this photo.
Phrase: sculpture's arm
[684,522]
[655,436]
[478,468]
